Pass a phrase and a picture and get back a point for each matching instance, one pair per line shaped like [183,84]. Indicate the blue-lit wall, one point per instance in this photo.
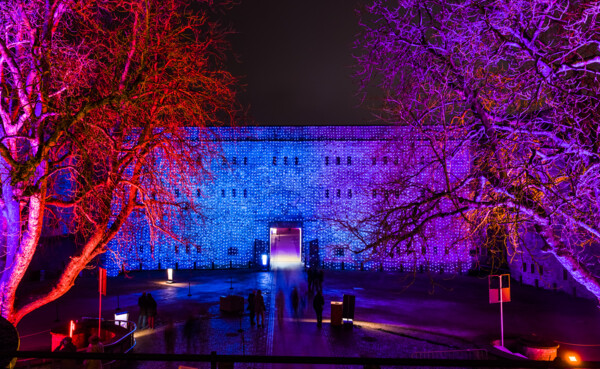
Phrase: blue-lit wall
[292,175]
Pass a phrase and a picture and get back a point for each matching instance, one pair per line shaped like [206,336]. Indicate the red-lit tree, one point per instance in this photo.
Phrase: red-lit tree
[93,95]
[513,84]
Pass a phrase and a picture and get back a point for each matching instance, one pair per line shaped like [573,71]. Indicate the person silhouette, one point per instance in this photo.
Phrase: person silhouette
[259,308]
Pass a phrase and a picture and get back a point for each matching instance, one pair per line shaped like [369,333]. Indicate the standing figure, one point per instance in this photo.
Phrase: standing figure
[251,306]
[170,337]
[295,299]
[143,311]
[259,308]
[151,310]
[318,303]
[66,345]
[94,347]
[280,306]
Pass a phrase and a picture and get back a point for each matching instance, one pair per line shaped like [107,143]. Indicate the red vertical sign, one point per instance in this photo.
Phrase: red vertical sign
[102,281]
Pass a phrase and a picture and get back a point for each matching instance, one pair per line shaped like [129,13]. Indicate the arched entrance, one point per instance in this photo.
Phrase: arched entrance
[285,247]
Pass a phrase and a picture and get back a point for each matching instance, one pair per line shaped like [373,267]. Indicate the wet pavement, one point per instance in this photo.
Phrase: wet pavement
[397,315]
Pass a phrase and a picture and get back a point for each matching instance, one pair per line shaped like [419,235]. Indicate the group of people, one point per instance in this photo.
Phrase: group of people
[256,307]
[67,345]
[148,311]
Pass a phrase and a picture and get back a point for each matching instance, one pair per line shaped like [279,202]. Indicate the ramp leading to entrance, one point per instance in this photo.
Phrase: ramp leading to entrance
[286,248]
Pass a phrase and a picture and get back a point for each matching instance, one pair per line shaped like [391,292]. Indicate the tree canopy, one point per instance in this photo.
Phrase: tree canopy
[92,95]
[516,86]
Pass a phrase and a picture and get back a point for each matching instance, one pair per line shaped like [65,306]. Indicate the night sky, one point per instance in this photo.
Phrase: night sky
[295,58]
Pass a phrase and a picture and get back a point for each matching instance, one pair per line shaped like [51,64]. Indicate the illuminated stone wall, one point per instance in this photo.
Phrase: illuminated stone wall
[299,176]
[536,268]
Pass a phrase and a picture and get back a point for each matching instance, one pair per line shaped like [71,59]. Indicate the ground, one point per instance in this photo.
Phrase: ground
[433,313]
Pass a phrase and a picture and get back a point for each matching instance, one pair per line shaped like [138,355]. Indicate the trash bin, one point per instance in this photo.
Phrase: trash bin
[336,312]
[348,308]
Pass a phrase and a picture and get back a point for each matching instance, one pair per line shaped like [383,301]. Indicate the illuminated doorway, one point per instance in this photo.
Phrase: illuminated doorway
[285,247]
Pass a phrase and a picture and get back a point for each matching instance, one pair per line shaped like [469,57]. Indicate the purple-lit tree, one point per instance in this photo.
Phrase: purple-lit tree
[515,86]
[92,95]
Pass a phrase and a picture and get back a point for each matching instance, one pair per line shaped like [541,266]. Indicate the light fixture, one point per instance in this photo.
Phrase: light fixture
[264,259]
[170,275]
[572,358]
[71,328]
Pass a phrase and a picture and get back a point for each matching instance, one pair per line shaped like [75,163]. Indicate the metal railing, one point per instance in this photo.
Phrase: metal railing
[215,359]
[123,345]
[468,354]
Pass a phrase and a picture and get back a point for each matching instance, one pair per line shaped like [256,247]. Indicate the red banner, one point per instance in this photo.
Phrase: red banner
[102,281]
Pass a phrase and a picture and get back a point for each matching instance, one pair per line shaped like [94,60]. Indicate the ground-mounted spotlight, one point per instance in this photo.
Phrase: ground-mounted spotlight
[572,358]
[170,275]
[121,318]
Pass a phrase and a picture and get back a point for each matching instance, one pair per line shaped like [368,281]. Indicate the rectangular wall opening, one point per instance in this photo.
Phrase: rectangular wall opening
[286,250]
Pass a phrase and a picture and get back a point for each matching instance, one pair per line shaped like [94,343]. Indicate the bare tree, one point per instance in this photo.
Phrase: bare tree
[514,85]
[95,96]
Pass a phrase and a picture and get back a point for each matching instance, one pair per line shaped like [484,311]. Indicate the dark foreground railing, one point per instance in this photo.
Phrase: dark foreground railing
[124,344]
[214,359]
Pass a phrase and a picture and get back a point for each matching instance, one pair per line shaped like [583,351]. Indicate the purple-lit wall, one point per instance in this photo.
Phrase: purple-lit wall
[539,269]
[299,176]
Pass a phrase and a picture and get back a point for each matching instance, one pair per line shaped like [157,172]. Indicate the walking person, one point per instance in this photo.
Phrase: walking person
[318,303]
[251,306]
[142,304]
[189,330]
[295,300]
[320,277]
[259,309]
[280,306]
[311,278]
[170,337]
[94,347]
[151,310]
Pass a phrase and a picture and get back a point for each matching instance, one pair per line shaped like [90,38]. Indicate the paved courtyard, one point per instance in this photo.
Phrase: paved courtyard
[397,315]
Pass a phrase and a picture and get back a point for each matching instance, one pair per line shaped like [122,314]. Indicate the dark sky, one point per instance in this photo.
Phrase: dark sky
[296,61]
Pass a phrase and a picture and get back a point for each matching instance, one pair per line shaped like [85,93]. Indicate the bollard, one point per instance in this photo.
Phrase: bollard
[230,264]
[159,268]
[342,265]
[362,266]
[176,266]
[141,266]
[213,265]
[194,265]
